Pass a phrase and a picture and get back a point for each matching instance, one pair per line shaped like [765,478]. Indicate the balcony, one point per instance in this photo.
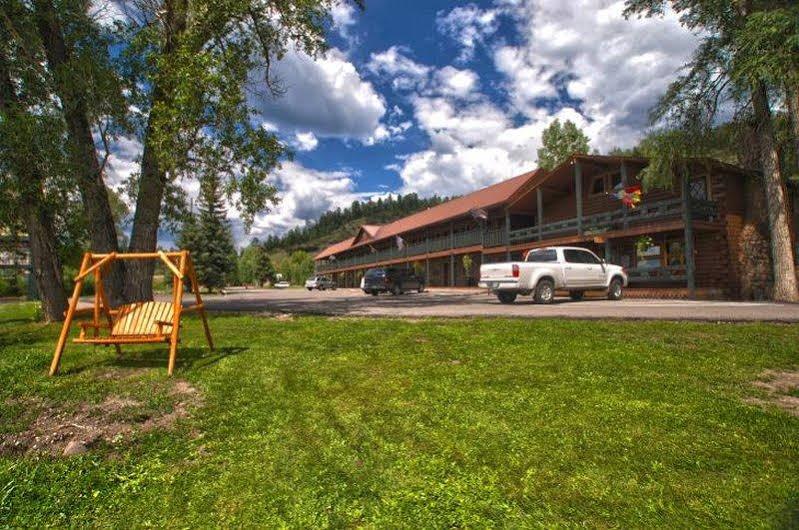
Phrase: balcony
[618,219]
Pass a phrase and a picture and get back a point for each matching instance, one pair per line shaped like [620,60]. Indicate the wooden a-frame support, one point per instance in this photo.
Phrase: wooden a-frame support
[139,318]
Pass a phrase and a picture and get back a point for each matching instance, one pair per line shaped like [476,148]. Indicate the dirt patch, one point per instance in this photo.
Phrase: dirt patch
[781,388]
[60,429]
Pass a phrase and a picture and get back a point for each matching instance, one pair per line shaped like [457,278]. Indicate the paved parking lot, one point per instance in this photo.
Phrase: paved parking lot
[454,303]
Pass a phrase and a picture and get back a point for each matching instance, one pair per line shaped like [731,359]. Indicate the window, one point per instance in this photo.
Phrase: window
[589,258]
[615,181]
[649,258]
[542,256]
[572,256]
[598,185]
[697,188]
[675,253]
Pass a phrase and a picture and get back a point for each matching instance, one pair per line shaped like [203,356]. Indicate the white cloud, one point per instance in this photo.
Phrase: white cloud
[406,73]
[305,194]
[326,96]
[611,69]
[305,141]
[469,26]
[450,81]
[617,68]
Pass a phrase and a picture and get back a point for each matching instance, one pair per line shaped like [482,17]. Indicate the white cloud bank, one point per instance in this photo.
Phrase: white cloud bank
[613,68]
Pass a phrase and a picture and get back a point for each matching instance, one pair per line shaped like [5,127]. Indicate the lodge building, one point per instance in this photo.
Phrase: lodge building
[705,236]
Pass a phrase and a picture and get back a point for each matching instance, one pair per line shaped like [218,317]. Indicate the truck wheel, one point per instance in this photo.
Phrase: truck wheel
[615,289]
[374,293]
[544,292]
[421,288]
[396,290]
[577,295]
[310,288]
[506,297]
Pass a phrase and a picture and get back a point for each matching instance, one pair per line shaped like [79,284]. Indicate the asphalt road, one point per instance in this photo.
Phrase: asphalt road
[471,303]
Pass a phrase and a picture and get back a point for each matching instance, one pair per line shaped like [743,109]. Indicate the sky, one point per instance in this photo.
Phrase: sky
[442,97]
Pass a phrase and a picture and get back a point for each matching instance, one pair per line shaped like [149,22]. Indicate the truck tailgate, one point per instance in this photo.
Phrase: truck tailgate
[495,271]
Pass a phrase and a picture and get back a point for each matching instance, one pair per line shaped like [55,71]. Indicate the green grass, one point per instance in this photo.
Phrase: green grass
[434,423]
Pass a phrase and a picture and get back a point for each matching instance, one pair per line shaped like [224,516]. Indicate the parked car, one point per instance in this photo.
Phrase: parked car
[394,280]
[320,282]
[282,284]
[546,270]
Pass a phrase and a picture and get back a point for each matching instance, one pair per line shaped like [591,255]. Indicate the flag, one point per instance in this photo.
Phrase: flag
[630,196]
[332,258]
[400,243]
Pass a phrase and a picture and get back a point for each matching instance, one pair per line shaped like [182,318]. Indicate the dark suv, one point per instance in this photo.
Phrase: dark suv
[392,280]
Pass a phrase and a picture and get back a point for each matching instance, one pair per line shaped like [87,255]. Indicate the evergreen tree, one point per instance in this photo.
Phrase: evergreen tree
[255,267]
[208,237]
[559,141]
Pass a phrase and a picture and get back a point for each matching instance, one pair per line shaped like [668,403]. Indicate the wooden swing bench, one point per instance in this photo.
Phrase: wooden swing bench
[146,322]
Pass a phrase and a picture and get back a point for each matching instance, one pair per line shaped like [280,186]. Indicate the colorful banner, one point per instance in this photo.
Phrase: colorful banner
[630,196]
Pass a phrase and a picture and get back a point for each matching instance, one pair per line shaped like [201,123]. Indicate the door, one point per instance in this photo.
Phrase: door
[594,269]
[575,269]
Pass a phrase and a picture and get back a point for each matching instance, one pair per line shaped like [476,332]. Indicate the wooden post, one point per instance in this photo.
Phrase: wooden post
[97,301]
[539,197]
[427,271]
[73,303]
[177,302]
[625,223]
[507,235]
[578,191]
[690,266]
[195,286]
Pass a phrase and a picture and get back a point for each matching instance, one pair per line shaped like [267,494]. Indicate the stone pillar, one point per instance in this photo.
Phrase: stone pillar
[507,235]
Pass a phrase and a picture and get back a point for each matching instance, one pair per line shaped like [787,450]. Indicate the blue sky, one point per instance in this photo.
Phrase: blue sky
[441,97]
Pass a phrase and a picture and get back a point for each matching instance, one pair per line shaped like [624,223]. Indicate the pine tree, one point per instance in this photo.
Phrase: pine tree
[208,236]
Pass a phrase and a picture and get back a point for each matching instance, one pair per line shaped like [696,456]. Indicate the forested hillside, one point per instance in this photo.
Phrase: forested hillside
[339,224]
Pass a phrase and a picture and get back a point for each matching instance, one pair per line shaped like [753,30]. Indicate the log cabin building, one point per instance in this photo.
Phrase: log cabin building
[705,236]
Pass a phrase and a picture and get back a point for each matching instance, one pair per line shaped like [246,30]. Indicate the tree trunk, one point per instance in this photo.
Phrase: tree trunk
[92,188]
[144,235]
[152,180]
[47,272]
[792,97]
[785,287]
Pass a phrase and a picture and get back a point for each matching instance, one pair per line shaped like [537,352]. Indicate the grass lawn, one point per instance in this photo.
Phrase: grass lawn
[314,422]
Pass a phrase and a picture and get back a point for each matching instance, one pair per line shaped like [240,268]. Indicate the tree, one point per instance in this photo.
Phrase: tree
[208,237]
[189,61]
[723,74]
[559,142]
[255,267]
[467,266]
[31,158]
[87,87]
[297,267]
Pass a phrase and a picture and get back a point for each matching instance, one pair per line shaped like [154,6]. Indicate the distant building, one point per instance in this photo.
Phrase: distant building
[719,211]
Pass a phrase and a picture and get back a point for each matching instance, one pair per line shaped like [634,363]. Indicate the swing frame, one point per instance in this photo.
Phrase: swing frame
[178,263]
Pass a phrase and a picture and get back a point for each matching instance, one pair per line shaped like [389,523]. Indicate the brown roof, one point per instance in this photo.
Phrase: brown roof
[494,195]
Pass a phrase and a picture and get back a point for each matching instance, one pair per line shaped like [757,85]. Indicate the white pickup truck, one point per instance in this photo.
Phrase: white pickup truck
[546,270]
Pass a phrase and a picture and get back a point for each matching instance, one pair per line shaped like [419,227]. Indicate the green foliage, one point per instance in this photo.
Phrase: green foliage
[432,423]
[559,142]
[255,266]
[193,66]
[209,239]
[341,223]
[467,263]
[295,268]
